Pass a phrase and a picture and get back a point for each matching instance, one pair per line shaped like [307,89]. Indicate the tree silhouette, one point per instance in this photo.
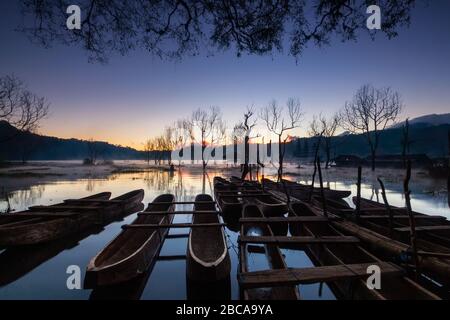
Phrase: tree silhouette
[20,107]
[369,113]
[176,28]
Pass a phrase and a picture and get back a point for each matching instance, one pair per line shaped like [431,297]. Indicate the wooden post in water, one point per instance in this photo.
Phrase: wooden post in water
[412,222]
[311,191]
[358,195]
[322,193]
[388,208]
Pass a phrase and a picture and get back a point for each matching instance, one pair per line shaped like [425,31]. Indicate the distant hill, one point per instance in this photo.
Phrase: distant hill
[29,146]
[429,140]
[425,139]
[427,120]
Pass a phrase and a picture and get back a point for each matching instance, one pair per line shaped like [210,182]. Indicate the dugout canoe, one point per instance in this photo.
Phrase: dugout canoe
[208,259]
[273,254]
[301,191]
[134,251]
[394,286]
[377,220]
[433,267]
[22,216]
[47,223]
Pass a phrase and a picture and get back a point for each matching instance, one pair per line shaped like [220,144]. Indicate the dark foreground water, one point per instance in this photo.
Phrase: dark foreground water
[40,272]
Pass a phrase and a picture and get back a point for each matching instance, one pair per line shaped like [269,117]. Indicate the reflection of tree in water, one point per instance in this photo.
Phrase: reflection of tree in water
[158,180]
[92,184]
[28,197]
[4,197]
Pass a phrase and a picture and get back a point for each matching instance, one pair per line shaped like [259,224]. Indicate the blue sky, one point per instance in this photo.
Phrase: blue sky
[133,97]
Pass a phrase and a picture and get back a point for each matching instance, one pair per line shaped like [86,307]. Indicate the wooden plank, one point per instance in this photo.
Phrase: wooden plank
[295,276]
[172,258]
[424,228]
[402,217]
[297,240]
[148,213]
[92,201]
[247,195]
[44,214]
[64,208]
[434,254]
[184,202]
[286,219]
[174,225]
[177,236]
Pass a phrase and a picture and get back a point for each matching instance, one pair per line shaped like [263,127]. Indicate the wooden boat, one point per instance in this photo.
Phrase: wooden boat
[230,206]
[394,286]
[270,206]
[274,258]
[133,251]
[377,218]
[46,223]
[207,252]
[302,192]
[434,263]
[22,216]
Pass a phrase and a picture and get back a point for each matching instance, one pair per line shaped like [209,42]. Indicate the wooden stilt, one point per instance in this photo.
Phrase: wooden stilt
[388,208]
[358,195]
[311,191]
[412,222]
[322,194]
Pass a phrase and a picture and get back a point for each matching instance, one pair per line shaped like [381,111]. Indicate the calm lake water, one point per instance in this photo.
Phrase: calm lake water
[40,272]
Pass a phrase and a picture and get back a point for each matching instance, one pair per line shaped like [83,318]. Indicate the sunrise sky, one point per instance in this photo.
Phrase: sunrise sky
[132,98]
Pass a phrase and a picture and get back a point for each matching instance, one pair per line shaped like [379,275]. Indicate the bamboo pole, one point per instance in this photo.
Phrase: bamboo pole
[412,222]
[358,195]
[322,194]
[388,208]
[311,191]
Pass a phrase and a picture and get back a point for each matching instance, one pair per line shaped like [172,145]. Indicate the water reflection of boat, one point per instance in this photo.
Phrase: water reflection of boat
[16,262]
[46,223]
[134,250]
[200,290]
[129,290]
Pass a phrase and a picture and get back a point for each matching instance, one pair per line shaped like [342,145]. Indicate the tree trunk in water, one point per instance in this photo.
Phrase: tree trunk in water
[245,168]
[327,163]
[373,160]
[280,154]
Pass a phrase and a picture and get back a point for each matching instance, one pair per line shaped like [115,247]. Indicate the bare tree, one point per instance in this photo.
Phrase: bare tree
[149,146]
[406,141]
[205,121]
[329,126]
[171,29]
[243,130]
[20,107]
[93,152]
[316,130]
[370,111]
[278,124]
